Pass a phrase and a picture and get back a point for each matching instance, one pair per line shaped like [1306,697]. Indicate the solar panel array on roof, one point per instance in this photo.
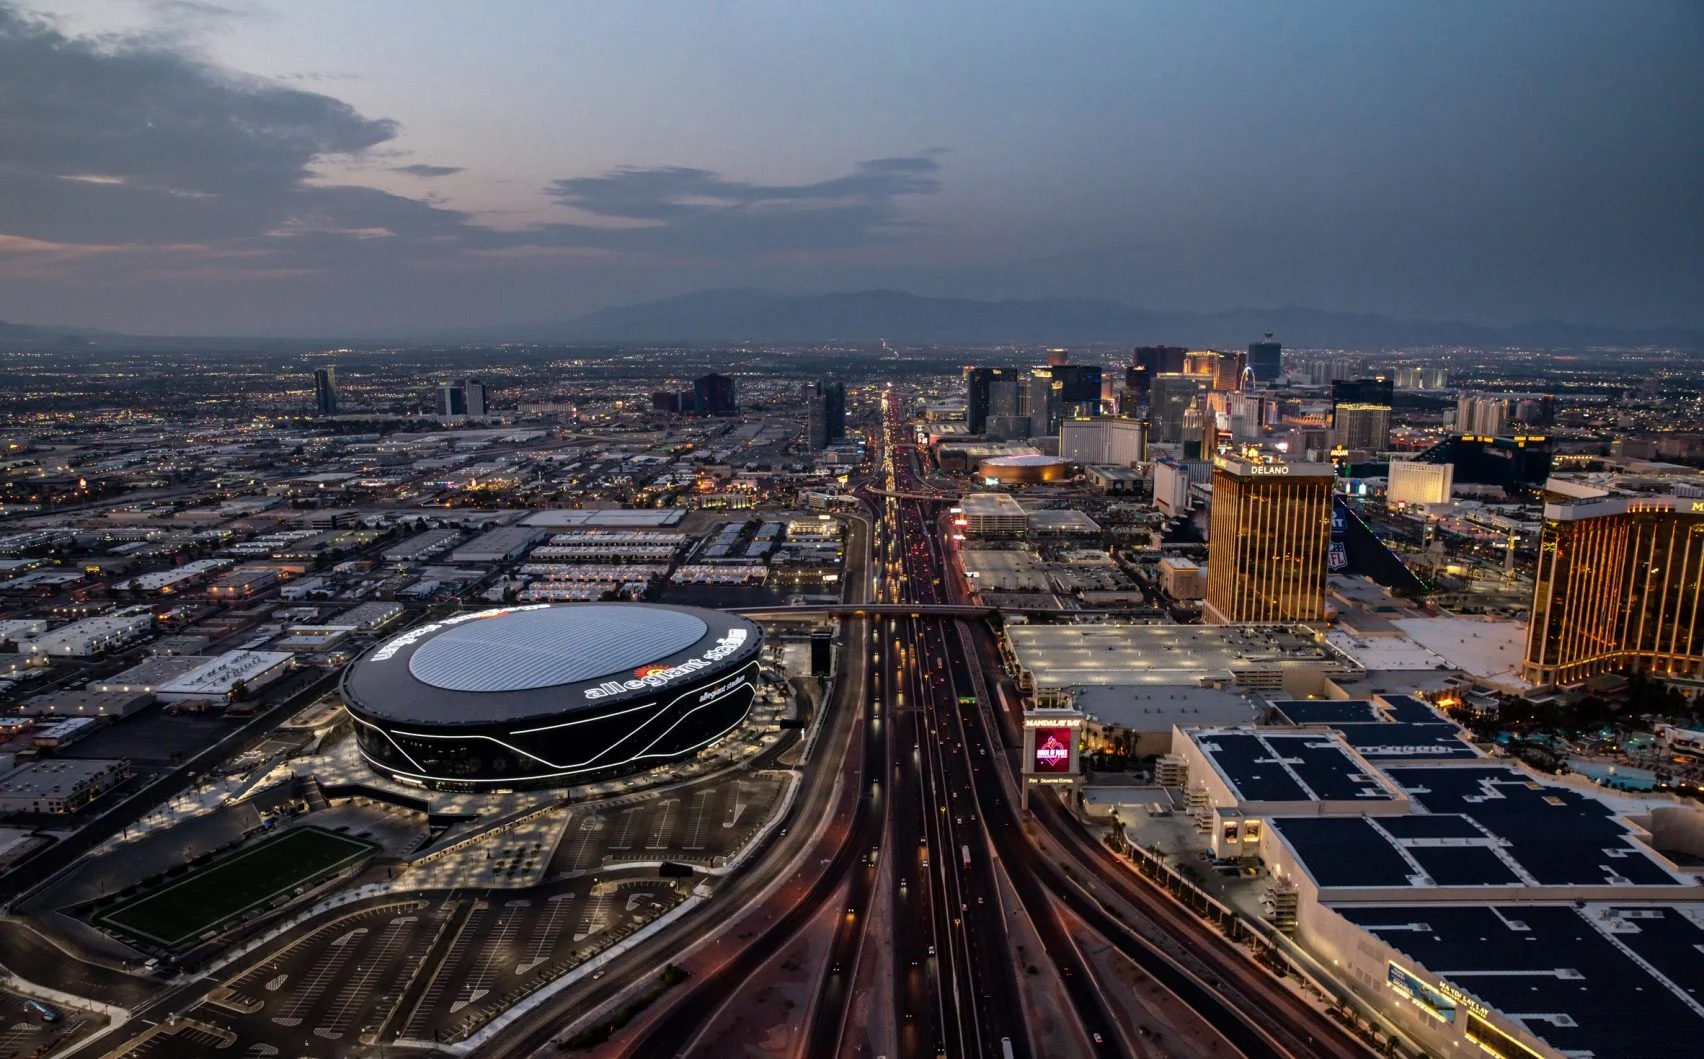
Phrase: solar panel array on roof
[1569,975]
[1329,774]
[1252,769]
[1669,939]
[1287,767]
[1325,711]
[1406,709]
[1463,865]
[1344,851]
[1394,727]
[1389,740]
[1330,848]
[1558,835]
[1430,825]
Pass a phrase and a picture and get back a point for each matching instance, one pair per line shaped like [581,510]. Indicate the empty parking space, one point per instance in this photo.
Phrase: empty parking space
[700,824]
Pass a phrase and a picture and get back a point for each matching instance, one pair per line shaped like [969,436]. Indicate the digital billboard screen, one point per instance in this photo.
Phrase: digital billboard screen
[1053,749]
[1428,999]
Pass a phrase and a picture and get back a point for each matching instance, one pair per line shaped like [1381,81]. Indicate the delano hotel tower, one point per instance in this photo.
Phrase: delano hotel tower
[1618,582]
[1268,536]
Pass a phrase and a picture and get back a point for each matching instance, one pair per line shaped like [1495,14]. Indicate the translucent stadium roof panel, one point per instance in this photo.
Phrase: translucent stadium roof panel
[526,650]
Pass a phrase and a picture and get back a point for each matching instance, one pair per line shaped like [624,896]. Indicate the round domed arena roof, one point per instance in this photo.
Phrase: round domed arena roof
[544,661]
[524,650]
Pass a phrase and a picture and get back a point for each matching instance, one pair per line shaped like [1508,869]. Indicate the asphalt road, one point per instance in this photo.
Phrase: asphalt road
[843,754]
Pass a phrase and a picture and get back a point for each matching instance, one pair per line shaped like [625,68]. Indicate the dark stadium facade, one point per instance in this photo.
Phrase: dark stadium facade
[550,695]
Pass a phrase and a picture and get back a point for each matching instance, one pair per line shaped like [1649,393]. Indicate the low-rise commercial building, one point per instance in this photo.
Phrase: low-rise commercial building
[1182,579]
[91,636]
[423,546]
[502,545]
[228,677]
[86,702]
[59,786]
[370,616]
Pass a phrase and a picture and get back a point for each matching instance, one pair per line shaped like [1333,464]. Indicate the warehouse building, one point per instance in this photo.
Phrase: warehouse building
[219,679]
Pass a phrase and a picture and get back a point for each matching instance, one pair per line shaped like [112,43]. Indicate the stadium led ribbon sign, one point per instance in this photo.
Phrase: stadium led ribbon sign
[654,677]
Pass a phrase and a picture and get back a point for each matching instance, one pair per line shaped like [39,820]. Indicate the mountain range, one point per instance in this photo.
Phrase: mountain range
[870,316]
[911,319]
[26,336]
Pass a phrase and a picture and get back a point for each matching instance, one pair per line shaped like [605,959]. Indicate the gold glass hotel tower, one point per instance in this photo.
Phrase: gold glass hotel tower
[1617,588]
[1267,541]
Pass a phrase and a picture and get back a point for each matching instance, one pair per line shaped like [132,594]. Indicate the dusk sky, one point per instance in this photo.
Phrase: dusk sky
[400,166]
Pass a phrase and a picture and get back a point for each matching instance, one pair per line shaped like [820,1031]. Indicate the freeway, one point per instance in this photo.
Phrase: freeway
[955,982]
[838,790]
[978,814]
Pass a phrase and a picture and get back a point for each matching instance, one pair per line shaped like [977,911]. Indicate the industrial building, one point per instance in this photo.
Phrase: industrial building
[91,636]
[60,785]
[227,678]
[502,545]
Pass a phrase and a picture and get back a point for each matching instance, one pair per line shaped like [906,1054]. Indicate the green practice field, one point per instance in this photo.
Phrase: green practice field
[251,877]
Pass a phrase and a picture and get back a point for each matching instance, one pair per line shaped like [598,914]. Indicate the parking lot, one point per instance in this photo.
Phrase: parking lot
[698,824]
[436,967]
[437,964]
[25,1031]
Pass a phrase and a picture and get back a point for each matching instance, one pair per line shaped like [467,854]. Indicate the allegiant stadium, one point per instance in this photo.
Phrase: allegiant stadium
[550,694]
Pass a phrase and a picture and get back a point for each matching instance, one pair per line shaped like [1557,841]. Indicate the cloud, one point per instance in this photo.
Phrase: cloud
[698,212]
[134,165]
[428,172]
[200,11]
[132,142]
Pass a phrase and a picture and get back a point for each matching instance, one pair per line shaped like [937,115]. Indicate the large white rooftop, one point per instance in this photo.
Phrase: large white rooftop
[1488,648]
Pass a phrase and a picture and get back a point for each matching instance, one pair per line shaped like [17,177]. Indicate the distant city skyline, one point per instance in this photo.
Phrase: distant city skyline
[317,168]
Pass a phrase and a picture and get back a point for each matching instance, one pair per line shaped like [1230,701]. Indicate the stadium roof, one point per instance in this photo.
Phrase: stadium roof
[548,648]
[544,661]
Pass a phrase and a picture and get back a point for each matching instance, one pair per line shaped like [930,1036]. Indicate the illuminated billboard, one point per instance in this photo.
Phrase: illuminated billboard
[1053,750]
[1424,996]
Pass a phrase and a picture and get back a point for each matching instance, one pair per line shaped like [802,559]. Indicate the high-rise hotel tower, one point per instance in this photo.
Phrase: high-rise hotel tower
[1268,535]
[1618,583]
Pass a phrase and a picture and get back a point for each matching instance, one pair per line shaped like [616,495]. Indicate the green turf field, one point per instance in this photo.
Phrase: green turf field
[182,909]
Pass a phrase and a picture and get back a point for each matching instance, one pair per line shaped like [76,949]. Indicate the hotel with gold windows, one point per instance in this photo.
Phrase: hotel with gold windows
[1618,582]
[1268,535]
